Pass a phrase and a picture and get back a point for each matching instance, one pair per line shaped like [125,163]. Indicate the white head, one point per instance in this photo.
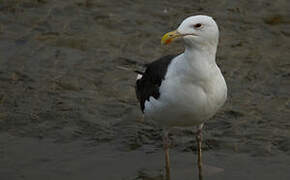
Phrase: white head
[196,31]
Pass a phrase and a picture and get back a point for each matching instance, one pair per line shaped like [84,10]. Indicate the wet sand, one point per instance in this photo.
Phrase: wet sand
[67,102]
[26,158]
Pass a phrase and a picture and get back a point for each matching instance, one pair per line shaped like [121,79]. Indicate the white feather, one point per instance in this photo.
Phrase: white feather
[139,76]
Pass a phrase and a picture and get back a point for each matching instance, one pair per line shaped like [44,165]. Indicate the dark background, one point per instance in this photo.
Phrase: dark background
[67,102]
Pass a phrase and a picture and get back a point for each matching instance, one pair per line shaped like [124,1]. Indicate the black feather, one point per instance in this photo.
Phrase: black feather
[148,85]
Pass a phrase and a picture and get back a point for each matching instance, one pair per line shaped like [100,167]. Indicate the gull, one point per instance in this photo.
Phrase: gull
[187,89]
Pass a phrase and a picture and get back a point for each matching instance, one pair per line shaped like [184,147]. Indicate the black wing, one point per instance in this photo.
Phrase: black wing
[151,80]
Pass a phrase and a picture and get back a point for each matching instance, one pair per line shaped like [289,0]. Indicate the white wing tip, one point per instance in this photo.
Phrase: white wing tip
[139,76]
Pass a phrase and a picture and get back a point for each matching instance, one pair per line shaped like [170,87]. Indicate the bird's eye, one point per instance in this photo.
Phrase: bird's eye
[198,25]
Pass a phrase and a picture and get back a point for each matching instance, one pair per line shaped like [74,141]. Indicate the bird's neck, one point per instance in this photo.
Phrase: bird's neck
[207,53]
[201,62]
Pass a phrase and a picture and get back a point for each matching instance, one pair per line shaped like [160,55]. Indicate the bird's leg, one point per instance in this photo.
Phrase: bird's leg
[199,160]
[166,150]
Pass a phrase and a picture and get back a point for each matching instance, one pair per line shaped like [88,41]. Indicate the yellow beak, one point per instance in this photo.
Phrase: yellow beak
[169,37]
